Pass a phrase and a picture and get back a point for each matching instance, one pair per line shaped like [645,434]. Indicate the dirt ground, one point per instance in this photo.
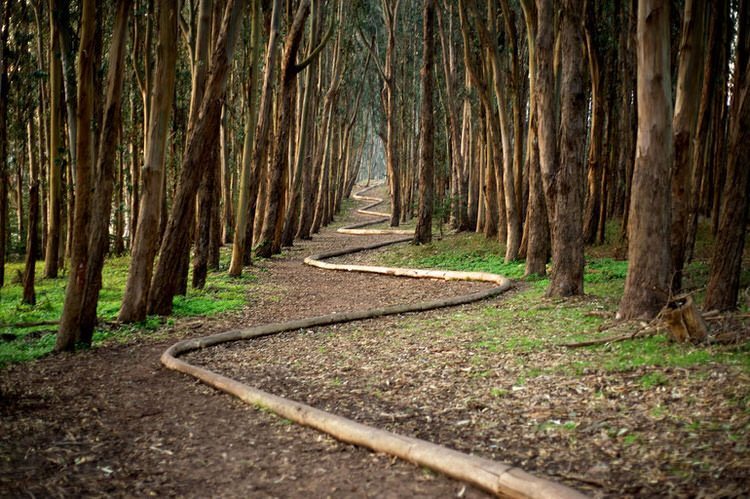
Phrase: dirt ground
[113,422]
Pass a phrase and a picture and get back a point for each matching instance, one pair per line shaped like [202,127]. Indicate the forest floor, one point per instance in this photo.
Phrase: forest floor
[489,378]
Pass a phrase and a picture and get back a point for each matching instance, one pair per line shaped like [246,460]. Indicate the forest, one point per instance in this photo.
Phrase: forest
[557,202]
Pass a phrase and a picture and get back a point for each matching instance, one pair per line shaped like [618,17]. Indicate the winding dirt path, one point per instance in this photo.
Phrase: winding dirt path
[112,422]
[498,478]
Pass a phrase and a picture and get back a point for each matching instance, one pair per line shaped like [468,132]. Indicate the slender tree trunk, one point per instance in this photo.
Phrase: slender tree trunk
[227,214]
[293,207]
[207,185]
[273,221]
[596,132]
[390,13]
[423,231]
[537,246]
[32,235]
[4,181]
[702,135]
[198,153]
[252,154]
[145,244]
[647,282]
[54,205]
[683,128]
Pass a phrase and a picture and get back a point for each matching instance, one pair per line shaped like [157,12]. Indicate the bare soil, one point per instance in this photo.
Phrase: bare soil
[113,422]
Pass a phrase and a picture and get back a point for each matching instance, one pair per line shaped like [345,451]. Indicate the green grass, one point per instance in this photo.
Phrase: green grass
[221,293]
[526,323]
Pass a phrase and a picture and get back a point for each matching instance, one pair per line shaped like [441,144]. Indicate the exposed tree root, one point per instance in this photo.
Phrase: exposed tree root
[495,477]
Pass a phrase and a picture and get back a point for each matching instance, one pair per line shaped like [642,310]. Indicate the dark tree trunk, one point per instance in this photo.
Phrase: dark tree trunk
[567,241]
[726,263]
[423,231]
[32,235]
[683,126]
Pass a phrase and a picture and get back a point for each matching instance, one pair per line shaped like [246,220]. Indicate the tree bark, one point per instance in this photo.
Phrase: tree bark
[163,285]
[647,282]
[255,137]
[69,332]
[565,182]
[596,166]
[423,231]
[54,204]
[726,263]
[145,244]
[390,97]
[4,183]
[273,221]
[538,244]
[683,129]
[32,234]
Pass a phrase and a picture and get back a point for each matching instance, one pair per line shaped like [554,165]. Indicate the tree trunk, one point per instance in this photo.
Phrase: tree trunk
[566,225]
[701,148]
[647,282]
[4,183]
[683,128]
[32,235]
[459,187]
[423,231]
[69,332]
[54,205]
[227,214]
[596,132]
[305,129]
[390,13]
[273,221]
[198,153]
[251,153]
[726,263]
[537,243]
[145,244]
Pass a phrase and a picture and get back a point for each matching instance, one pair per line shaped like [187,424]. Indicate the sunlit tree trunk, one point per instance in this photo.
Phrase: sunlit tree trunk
[163,285]
[270,238]
[145,244]
[249,174]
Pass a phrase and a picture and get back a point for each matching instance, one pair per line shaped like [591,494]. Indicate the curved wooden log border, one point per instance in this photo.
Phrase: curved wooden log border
[495,477]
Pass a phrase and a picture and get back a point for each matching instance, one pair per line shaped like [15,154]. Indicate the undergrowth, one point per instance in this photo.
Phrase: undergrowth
[221,293]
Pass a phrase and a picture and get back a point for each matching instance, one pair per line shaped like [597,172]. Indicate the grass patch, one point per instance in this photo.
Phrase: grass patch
[526,324]
[222,293]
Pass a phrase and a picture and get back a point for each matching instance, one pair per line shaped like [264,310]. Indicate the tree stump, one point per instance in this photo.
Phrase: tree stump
[684,320]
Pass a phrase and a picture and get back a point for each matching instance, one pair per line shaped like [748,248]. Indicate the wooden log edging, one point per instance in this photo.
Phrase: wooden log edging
[495,477]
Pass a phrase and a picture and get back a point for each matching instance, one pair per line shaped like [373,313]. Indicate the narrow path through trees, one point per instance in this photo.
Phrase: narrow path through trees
[495,477]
